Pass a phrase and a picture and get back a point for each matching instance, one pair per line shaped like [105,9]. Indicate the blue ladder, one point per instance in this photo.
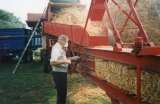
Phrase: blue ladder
[33,33]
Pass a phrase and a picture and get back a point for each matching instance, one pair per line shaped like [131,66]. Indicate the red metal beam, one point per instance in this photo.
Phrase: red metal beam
[83,34]
[114,101]
[138,71]
[143,33]
[154,50]
[127,19]
[147,62]
[124,12]
[97,10]
[115,31]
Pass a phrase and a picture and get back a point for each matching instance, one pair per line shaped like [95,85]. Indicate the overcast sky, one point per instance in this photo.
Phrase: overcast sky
[20,8]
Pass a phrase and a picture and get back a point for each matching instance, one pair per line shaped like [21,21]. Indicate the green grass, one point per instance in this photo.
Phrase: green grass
[97,100]
[29,85]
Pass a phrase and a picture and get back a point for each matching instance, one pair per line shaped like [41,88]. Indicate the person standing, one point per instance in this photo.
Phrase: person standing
[59,63]
[136,34]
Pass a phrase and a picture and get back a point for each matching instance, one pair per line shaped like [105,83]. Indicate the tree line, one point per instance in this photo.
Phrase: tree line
[8,20]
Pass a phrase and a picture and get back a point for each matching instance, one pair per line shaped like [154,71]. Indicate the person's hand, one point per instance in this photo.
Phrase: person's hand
[67,61]
[76,57]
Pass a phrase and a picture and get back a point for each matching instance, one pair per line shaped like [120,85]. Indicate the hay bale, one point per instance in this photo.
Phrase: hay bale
[119,75]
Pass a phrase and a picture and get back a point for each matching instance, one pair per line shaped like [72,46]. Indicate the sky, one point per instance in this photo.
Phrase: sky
[20,8]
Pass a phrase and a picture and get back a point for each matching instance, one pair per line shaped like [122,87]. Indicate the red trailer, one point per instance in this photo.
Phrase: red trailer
[144,55]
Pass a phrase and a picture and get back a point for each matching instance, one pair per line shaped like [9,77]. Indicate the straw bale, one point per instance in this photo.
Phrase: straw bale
[119,75]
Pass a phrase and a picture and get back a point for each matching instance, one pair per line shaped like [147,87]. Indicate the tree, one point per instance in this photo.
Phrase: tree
[8,20]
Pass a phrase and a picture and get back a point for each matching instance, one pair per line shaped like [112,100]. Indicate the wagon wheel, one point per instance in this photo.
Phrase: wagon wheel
[28,57]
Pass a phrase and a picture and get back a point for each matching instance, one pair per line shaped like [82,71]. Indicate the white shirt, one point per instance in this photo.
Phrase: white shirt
[58,53]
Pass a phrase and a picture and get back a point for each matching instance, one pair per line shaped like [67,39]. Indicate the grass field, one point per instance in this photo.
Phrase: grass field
[29,85]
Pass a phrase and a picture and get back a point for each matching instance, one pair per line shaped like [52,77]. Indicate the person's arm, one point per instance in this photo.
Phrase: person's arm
[74,58]
[59,62]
